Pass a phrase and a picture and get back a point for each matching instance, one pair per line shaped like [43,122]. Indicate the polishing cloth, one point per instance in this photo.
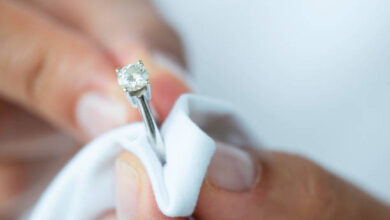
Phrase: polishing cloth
[84,189]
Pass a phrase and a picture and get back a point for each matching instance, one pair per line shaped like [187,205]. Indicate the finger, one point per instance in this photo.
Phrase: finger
[134,194]
[284,187]
[47,68]
[130,30]
[232,176]
[61,76]
[123,27]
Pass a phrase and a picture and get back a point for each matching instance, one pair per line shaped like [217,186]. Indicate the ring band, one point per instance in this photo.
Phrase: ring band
[134,79]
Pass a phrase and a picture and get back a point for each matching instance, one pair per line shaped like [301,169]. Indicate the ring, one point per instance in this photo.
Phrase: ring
[134,80]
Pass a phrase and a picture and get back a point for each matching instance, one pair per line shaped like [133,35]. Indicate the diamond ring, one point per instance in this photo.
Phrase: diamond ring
[134,80]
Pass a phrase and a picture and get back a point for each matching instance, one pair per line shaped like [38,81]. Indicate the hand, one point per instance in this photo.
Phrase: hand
[252,185]
[58,60]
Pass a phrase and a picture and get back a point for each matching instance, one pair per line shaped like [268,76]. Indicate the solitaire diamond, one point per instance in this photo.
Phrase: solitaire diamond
[133,77]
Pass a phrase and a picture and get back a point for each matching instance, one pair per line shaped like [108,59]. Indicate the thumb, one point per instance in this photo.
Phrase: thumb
[134,194]
[271,185]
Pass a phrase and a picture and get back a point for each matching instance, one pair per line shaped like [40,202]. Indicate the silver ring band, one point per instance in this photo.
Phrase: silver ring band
[153,133]
[134,79]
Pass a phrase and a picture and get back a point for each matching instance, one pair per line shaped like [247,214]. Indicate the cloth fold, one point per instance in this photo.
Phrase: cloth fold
[84,188]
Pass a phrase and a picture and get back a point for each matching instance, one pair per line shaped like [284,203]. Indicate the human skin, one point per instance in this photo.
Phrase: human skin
[57,61]
[285,186]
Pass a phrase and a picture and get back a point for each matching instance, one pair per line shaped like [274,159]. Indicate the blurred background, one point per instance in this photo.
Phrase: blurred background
[311,77]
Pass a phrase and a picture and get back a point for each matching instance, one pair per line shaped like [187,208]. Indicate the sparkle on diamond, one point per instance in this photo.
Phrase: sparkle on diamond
[133,77]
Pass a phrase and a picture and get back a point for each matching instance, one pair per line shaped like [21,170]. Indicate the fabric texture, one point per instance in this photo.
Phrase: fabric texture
[84,189]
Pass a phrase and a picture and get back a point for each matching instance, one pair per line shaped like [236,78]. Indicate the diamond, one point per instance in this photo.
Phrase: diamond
[133,77]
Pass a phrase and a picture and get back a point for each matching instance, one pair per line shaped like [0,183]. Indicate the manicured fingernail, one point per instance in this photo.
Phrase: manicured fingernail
[232,169]
[97,113]
[168,62]
[127,188]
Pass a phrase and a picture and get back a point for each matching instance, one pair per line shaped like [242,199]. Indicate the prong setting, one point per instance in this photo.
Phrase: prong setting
[133,77]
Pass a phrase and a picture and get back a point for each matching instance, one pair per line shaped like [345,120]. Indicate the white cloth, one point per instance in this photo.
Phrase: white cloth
[84,189]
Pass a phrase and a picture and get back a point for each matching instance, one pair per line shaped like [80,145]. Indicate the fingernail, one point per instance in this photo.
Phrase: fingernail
[96,113]
[127,187]
[232,169]
[168,62]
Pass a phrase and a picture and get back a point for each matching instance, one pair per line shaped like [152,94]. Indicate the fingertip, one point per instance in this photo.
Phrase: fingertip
[167,81]
[97,112]
[134,193]
[166,89]
[235,178]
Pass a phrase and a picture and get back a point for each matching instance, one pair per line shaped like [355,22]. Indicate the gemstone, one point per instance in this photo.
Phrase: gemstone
[133,77]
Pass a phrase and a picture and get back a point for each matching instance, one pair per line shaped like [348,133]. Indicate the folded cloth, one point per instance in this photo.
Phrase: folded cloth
[84,189]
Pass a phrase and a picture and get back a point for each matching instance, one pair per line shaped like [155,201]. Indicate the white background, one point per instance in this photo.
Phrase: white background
[311,76]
